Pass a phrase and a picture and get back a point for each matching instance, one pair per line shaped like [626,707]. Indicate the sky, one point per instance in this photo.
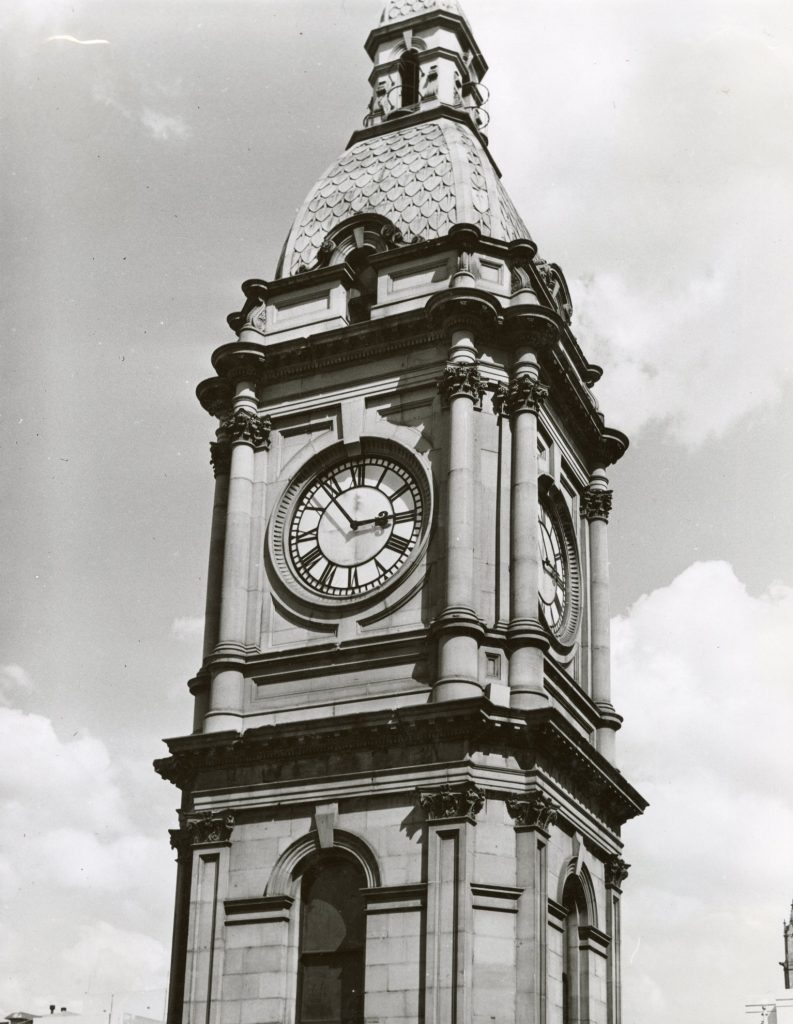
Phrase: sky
[152,166]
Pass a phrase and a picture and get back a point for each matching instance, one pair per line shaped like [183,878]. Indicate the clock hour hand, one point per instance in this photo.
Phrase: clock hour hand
[381,519]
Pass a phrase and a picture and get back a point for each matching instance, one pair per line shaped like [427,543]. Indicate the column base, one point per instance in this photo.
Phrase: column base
[222,721]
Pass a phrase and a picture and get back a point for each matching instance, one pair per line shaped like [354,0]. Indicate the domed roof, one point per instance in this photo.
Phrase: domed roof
[424,178]
[396,9]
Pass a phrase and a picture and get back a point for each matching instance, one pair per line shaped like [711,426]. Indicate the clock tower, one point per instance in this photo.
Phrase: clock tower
[400,801]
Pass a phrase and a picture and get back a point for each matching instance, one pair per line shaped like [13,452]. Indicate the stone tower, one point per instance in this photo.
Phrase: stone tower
[399,799]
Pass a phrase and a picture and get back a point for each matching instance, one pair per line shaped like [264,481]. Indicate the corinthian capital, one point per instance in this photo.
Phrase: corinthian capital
[208,828]
[596,504]
[461,379]
[535,811]
[451,803]
[250,428]
[220,457]
[523,394]
[616,872]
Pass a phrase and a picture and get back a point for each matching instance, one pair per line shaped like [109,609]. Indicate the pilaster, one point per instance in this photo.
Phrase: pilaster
[533,816]
[616,873]
[451,818]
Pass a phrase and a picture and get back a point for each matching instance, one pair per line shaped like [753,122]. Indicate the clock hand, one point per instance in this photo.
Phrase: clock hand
[354,525]
[381,519]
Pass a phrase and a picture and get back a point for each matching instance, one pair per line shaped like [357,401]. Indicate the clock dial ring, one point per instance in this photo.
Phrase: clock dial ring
[559,592]
[352,522]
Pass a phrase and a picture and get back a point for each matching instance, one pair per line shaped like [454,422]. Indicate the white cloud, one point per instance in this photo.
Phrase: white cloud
[702,677]
[664,185]
[164,126]
[187,628]
[15,683]
[86,894]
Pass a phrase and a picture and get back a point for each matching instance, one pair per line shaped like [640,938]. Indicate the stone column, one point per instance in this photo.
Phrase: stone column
[248,431]
[458,625]
[595,508]
[616,873]
[216,396]
[533,817]
[451,818]
[181,842]
[521,401]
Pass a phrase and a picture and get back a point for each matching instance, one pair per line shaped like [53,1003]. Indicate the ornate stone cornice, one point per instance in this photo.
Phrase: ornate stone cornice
[616,872]
[535,811]
[220,457]
[523,394]
[596,503]
[461,379]
[208,828]
[251,428]
[446,802]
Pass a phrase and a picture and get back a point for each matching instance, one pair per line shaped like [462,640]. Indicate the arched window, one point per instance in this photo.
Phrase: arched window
[409,78]
[574,963]
[330,981]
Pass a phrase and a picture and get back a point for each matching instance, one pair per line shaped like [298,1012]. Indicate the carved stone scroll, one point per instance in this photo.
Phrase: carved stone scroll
[536,811]
[446,802]
[250,428]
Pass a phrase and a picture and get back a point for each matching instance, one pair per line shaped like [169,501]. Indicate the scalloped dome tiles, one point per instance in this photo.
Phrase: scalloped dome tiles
[396,9]
[424,178]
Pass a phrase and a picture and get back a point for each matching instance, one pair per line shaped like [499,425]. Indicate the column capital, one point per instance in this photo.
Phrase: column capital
[181,842]
[536,811]
[616,872]
[595,503]
[445,802]
[461,379]
[248,427]
[522,394]
[208,828]
[466,309]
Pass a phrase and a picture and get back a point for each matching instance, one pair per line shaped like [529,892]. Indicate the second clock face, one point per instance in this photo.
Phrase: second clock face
[355,525]
[553,571]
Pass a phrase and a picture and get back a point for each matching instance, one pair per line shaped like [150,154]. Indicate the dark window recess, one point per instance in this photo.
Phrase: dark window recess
[409,78]
[332,935]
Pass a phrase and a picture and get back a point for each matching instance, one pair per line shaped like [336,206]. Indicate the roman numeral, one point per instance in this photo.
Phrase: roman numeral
[311,557]
[305,535]
[395,543]
[400,492]
[352,576]
[358,473]
[331,486]
[405,517]
[381,569]
[327,574]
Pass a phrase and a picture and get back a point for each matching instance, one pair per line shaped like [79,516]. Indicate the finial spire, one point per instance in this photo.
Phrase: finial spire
[424,56]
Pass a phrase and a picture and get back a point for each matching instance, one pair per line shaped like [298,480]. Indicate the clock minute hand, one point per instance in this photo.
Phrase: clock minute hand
[353,524]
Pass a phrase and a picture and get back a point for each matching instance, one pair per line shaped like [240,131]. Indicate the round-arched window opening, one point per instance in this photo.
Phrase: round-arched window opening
[332,937]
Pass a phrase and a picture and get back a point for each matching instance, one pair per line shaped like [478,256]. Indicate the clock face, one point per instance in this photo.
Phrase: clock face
[355,525]
[553,571]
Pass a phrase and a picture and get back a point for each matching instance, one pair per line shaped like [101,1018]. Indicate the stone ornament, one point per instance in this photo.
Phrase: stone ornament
[423,178]
[596,504]
[551,276]
[461,379]
[446,802]
[220,457]
[523,394]
[616,872]
[396,9]
[251,428]
[256,320]
[207,828]
[537,811]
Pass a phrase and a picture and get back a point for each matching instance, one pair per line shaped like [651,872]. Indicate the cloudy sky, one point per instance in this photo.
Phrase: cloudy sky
[150,168]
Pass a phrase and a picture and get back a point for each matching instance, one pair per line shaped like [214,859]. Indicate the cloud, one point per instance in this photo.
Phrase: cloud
[14,684]
[187,628]
[662,170]
[86,893]
[702,677]
[81,42]
[163,126]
